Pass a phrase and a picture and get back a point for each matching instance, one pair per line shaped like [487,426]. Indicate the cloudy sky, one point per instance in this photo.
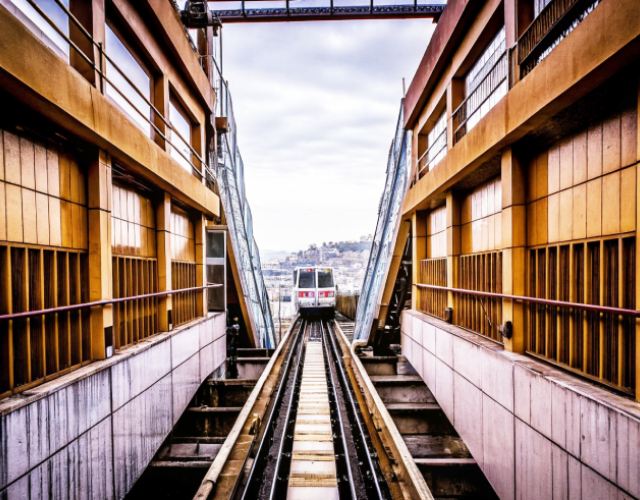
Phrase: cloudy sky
[316,106]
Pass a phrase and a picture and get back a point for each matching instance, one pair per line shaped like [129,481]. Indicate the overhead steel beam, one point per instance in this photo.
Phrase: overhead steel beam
[197,14]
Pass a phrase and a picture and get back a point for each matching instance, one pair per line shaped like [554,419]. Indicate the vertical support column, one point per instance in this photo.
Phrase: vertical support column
[455,95]
[91,15]
[163,233]
[100,274]
[453,244]
[161,102]
[418,252]
[199,226]
[514,252]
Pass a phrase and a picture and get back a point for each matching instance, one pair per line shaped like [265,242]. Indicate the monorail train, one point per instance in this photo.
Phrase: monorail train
[314,291]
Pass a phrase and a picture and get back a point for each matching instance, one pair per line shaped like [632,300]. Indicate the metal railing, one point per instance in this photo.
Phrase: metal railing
[389,211]
[555,21]
[231,186]
[473,103]
[432,155]
[203,171]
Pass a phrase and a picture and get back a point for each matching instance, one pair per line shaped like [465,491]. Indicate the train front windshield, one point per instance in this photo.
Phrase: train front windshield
[307,279]
[325,279]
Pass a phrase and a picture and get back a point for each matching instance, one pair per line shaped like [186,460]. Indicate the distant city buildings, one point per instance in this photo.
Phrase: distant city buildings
[347,258]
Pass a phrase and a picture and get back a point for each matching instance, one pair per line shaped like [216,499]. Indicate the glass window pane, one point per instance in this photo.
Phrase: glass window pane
[140,93]
[325,278]
[55,13]
[215,244]
[179,148]
[307,279]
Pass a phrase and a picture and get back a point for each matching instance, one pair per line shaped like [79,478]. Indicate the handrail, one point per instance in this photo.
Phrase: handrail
[430,148]
[104,302]
[103,75]
[536,300]
[463,121]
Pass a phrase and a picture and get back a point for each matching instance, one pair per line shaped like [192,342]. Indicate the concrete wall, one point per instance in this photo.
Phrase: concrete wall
[91,433]
[536,431]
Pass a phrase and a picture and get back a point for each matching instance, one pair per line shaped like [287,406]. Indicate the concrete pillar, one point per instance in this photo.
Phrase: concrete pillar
[100,259]
[91,15]
[455,96]
[163,233]
[514,252]
[418,251]
[161,102]
[453,244]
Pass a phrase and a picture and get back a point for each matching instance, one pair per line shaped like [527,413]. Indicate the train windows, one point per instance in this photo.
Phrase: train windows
[124,67]
[180,135]
[307,279]
[325,278]
[42,26]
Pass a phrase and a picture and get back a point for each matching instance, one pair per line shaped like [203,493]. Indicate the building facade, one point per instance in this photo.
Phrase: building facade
[107,139]
[523,212]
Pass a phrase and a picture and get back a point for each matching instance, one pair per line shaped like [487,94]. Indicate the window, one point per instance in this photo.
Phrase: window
[56,15]
[486,82]
[125,63]
[181,141]
[325,279]
[307,279]
[436,144]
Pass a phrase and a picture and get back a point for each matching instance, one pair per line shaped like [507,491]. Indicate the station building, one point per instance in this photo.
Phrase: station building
[523,217]
[107,137]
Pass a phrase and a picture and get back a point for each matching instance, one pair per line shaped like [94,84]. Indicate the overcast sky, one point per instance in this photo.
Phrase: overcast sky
[316,106]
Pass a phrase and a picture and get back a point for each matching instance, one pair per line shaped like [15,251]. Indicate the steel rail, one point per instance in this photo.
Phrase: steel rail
[263,447]
[536,300]
[283,462]
[340,421]
[103,302]
[376,477]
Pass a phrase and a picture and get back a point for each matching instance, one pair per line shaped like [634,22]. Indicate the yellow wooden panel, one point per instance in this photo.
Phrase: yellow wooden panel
[76,183]
[553,217]
[594,208]
[498,231]
[628,199]
[611,203]
[55,231]
[531,224]
[65,177]
[542,176]
[580,211]
[11,158]
[53,173]
[594,151]
[14,213]
[566,214]
[66,223]
[27,164]
[42,218]
[41,168]
[3,211]
[580,158]
[79,218]
[553,170]
[611,144]
[629,137]
[542,229]
[566,164]
[29,216]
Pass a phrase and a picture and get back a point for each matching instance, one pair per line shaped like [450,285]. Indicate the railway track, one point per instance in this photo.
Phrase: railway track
[314,420]
[319,447]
